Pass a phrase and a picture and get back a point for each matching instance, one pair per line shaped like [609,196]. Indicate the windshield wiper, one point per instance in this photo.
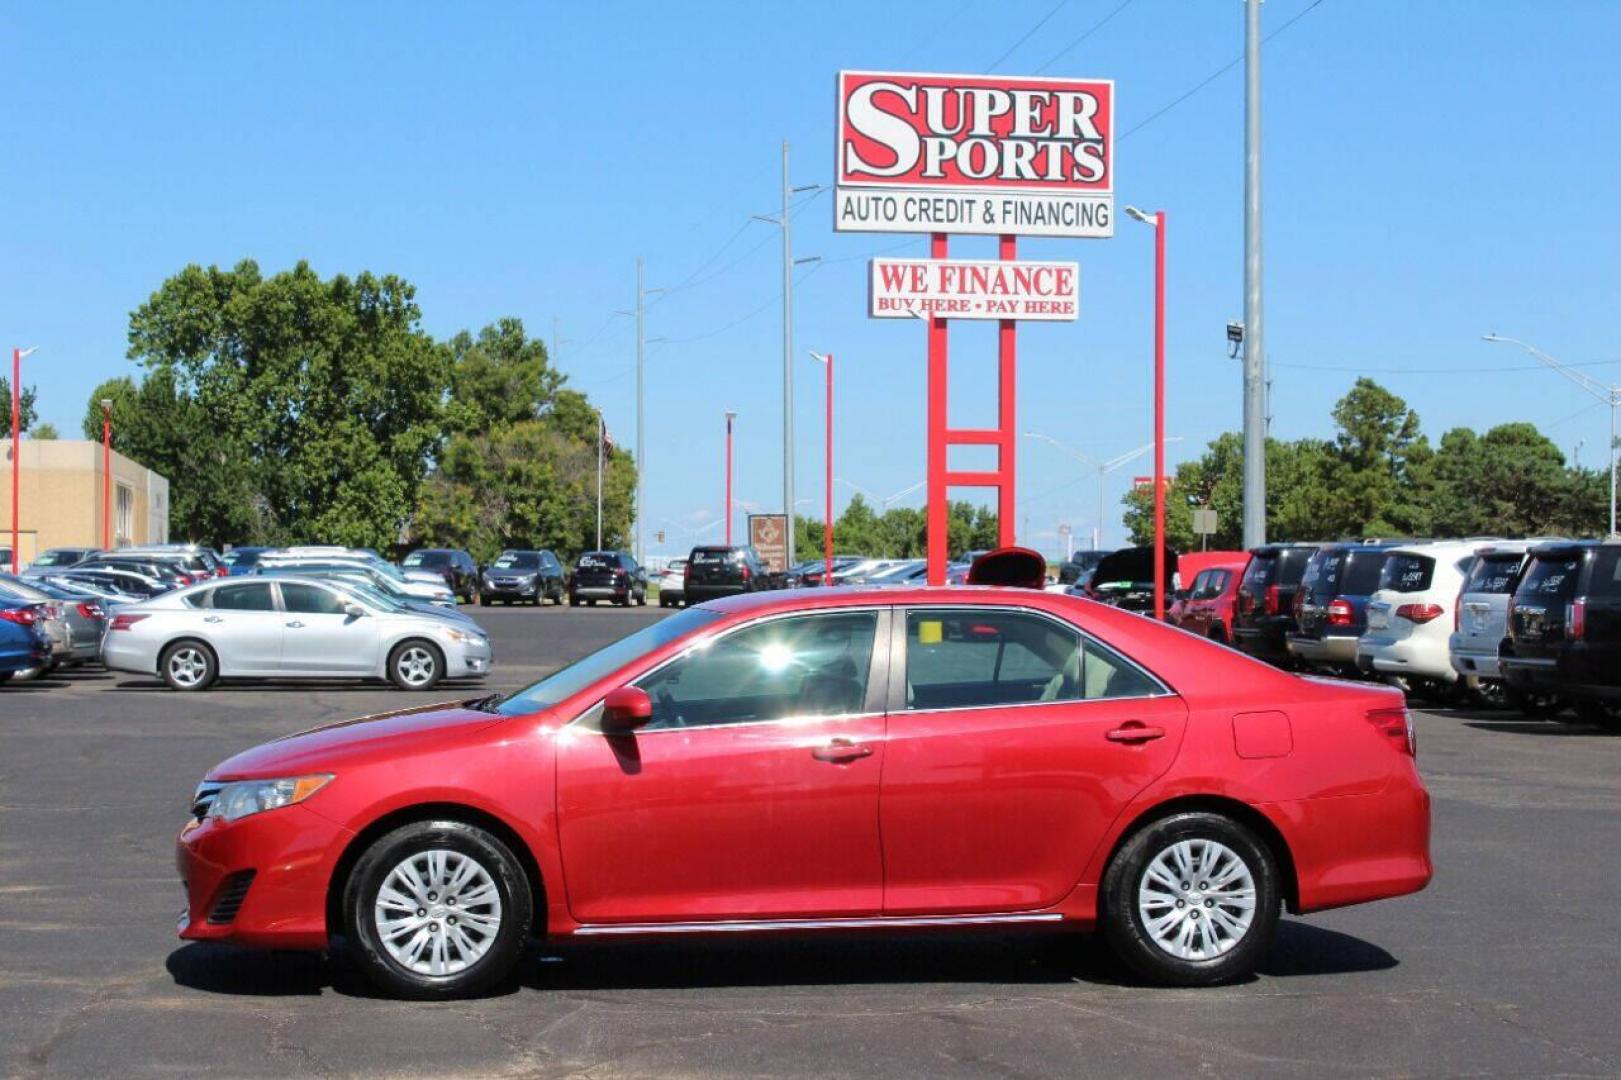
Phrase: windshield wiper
[487,703]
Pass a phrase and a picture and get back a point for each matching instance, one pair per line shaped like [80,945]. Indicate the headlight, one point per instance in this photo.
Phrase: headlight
[466,637]
[244,797]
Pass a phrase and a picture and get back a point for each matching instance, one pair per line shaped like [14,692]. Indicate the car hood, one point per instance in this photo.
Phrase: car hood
[1131,565]
[325,748]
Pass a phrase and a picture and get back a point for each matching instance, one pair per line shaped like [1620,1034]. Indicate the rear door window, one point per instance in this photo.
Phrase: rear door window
[1606,574]
[1321,576]
[1259,573]
[249,596]
[311,599]
[1407,573]
[1360,577]
[1494,573]
[1551,578]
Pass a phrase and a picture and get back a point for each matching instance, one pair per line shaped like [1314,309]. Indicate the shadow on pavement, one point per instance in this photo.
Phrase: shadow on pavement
[1522,726]
[1300,949]
[229,686]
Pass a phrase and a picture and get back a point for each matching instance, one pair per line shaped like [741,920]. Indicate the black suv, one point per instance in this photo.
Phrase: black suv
[458,568]
[529,576]
[1266,598]
[1564,629]
[723,571]
[1077,566]
[607,575]
[1331,605]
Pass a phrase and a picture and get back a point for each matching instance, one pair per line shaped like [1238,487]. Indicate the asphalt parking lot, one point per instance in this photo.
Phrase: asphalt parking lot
[1508,965]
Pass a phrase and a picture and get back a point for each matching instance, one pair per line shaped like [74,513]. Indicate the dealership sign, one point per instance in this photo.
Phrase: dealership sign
[974,289]
[987,155]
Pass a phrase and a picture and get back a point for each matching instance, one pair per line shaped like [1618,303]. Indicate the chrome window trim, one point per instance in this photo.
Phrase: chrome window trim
[884,626]
[898,651]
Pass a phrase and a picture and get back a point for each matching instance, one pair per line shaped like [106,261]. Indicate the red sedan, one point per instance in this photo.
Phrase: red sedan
[791,762]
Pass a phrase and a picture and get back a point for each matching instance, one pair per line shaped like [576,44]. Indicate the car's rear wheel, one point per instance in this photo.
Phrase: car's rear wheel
[1191,900]
[188,665]
[416,665]
[1488,693]
[1604,714]
[437,909]
[1536,704]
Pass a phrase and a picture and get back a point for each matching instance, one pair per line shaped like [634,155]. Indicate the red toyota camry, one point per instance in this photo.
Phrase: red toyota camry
[804,761]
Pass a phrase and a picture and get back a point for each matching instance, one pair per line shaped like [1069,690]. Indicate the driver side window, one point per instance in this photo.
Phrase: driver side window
[812,665]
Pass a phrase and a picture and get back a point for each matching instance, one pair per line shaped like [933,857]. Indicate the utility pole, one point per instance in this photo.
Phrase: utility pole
[787,355]
[1254,347]
[642,294]
[602,442]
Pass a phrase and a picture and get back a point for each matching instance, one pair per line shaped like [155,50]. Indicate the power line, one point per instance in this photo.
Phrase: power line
[1361,370]
[1011,49]
[1095,27]
[1213,76]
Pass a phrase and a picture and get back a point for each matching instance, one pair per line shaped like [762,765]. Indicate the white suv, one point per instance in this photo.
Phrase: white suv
[1410,617]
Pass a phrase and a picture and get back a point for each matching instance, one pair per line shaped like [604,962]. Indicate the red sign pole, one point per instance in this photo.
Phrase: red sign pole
[1006,342]
[938,518]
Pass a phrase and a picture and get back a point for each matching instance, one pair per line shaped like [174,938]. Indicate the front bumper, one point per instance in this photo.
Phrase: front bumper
[289,854]
[1339,649]
[468,661]
[517,589]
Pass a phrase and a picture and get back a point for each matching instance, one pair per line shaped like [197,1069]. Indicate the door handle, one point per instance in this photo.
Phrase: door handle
[295,624]
[213,618]
[840,751]
[1134,731]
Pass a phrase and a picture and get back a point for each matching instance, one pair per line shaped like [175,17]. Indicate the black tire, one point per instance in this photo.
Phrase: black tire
[1123,922]
[5,676]
[664,601]
[590,603]
[1606,715]
[484,601]
[188,664]
[1487,693]
[416,664]
[1535,704]
[1218,635]
[573,601]
[505,945]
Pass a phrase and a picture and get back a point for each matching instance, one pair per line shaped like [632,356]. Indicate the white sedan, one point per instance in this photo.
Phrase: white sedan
[291,628]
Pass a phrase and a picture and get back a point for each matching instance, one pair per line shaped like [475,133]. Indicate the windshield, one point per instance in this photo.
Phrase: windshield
[427,558]
[568,681]
[518,560]
[57,558]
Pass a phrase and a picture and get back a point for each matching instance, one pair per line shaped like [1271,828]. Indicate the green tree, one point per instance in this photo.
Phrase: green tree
[26,412]
[1511,481]
[307,409]
[44,430]
[499,377]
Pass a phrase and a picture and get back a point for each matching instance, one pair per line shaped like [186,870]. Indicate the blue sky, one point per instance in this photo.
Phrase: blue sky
[1433,171]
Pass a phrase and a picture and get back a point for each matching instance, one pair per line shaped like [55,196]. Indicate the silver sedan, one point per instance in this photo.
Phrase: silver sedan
[292,628]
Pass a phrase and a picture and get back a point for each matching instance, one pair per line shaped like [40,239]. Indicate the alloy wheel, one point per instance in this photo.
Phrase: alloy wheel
[1196,899]
[188,666]
[437,912]
[415,665]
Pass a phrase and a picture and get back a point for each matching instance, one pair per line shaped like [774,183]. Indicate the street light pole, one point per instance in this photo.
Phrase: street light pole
[1103,467]
[16,433]
[1157,221]
[827,510]
[1609,395]
[602,444]
[1254,348]
[107,474]
[730,416]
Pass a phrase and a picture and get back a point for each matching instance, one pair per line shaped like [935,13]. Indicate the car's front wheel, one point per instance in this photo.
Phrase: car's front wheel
[1192,900]
[437,909]
[416,665]
[1604,714]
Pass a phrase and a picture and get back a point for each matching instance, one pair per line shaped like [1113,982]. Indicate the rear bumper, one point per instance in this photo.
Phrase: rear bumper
[1524,673]
[697,594]
[1404,656]
[124,652]
[1266,640]
[600,592]
[290,853]
[1356,848]
[1476,663]
[1330,649]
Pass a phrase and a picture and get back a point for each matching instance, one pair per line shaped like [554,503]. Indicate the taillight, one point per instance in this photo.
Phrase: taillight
[1300,603]
[745,569]
[1339,612]
[1397,726]
[1457,614]
[1420,613]
[91,610]
[222,571]
[23,616]
[1273,596]
[125,621]
[1246,603]
[1576,618]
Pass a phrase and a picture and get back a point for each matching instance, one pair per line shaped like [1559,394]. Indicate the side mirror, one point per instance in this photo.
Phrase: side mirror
[354,611]
[626,708]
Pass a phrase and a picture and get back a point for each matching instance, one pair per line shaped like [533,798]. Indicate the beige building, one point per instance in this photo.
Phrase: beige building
[61,504]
